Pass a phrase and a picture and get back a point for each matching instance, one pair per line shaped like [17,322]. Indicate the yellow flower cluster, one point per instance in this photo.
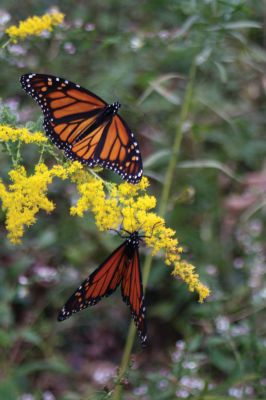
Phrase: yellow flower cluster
[93,198]
[34,26]
[7,133]
[113,206]
[25,196]
[129,206]
[185,271]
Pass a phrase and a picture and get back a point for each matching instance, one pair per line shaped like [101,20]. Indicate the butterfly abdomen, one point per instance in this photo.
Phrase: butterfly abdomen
[106,116]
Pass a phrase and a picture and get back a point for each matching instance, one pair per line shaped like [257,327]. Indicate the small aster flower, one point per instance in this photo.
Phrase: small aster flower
[222,324]
[34,26]
[4,18]
[192,383]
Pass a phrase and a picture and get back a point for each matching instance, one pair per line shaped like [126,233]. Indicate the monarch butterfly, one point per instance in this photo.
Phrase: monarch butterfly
[85,126]
[121,267]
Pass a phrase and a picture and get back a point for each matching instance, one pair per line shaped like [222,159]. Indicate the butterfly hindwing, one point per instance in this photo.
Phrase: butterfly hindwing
[85,126]
[102,282]
[121,150]
[132,294]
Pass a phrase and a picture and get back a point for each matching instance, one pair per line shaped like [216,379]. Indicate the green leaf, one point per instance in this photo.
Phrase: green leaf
[31,337]
[186,26]
[209,164]
[222,361]
[235,26]
[51,365]
[222,71]
[242,25]
[203,56]
[8,390]
[6,116]
[6,339]
[156,85]
[156,159]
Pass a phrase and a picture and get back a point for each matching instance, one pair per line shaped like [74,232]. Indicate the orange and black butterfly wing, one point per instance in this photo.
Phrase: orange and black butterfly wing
[70,111]
[117,149]
[102,282]
[85,126]
[132,294]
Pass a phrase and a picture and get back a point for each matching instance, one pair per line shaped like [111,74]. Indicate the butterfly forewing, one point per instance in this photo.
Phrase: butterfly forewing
[56,94]
[102,282]
[73,114]
[69,110]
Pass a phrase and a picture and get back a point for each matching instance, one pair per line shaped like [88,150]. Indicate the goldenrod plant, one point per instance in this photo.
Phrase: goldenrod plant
[199,208]
[113,206]
[34,26]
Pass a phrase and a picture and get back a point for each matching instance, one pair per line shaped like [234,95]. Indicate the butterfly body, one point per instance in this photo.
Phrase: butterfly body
[132,244]
[87,128]
[106,116]
[122,267]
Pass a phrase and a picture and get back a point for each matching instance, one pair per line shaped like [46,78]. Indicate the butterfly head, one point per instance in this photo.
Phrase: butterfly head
[134,239]
[115,107]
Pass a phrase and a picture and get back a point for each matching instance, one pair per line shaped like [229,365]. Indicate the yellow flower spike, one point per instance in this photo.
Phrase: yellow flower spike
[126,190]
[185,271]
[34,26]
[78,174]
[126,204]
[60,172]
[145,202]
[26,196]
[129,221]
[143,184]
[74,167]
[7,133]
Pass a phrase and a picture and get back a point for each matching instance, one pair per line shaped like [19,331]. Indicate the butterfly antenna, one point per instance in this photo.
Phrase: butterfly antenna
[122,229]
[141,226]
[150,236]
[131,226]
[157,224]
[116,231]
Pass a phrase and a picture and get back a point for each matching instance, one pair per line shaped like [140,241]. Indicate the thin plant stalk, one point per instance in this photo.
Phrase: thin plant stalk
[162,211]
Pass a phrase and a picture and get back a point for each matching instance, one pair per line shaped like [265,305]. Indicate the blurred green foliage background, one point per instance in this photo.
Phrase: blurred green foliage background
[140,53]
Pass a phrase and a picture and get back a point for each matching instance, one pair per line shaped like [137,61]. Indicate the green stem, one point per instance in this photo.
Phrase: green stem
[178,137]
[162,211]
[108,185]
[41,154]
[18,156]
[6,43]
[10,152]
